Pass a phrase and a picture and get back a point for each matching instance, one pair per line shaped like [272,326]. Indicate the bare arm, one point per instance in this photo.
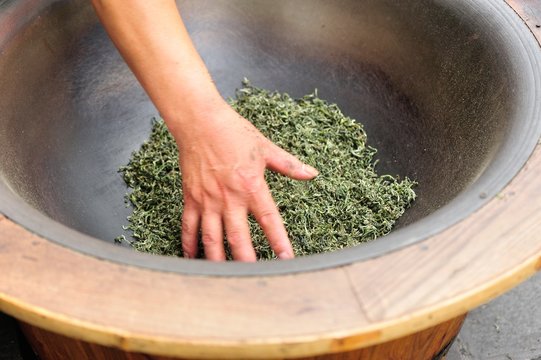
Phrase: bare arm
[222,156]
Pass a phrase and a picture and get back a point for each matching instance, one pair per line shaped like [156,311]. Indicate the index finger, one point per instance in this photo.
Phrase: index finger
[267,215]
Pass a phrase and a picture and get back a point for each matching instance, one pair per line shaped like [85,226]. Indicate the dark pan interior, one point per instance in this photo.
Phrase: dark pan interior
[448,92]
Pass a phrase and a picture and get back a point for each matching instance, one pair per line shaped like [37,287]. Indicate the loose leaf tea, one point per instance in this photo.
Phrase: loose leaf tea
[347,204]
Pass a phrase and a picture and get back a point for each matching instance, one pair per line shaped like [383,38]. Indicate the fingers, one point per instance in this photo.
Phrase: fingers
[212,236]
[286,164]
[266,213]
[238,235]
[190,232]
[237,231]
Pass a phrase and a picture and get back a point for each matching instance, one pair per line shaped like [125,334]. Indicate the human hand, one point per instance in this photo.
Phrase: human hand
[223,158]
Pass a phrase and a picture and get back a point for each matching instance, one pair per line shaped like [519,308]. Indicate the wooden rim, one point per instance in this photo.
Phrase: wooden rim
[371,302]
[480,261]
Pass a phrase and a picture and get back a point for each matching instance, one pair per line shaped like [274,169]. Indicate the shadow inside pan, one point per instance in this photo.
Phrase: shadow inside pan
[448,92]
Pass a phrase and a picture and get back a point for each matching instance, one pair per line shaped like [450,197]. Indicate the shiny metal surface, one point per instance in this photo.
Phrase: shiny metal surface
[448,92]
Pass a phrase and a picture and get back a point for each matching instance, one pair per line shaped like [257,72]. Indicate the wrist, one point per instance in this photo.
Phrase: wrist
[195,116]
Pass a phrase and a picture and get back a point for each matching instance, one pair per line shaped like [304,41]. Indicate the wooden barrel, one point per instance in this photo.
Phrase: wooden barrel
[430,344]
[408,302]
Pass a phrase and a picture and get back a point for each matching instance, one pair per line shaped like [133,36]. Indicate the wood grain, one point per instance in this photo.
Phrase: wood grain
[424,345]
[342,309]
[306,314]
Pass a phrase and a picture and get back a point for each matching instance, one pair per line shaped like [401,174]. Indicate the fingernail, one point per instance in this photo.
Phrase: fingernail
[309,170]
[285,255]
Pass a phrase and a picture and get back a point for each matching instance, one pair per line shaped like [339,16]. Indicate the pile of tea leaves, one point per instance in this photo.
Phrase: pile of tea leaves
[347,204]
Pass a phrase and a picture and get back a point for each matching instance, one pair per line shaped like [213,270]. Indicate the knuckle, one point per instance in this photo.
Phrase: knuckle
[250,182]
[235,238]
[202,197]
[187,250]
[209,240]
[266,217]
[188,229]
[290,164]
[293,165]
[193,197]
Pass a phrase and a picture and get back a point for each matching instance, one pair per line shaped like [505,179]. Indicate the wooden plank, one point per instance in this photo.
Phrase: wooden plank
[424,345]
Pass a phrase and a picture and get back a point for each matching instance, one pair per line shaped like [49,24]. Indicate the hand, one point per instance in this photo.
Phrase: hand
[223,158]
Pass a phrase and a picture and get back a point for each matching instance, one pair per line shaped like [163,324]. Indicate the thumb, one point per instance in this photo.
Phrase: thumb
[286,164]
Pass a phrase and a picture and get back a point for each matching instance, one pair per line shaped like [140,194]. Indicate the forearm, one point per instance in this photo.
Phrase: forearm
[222,156]
[153,40]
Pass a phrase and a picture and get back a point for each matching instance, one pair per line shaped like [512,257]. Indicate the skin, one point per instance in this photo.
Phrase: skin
[222,156]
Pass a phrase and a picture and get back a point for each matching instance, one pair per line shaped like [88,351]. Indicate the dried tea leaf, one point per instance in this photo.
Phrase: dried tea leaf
[347,204]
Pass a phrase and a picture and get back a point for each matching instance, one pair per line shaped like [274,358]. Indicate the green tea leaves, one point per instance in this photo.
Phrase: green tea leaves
[347,204]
